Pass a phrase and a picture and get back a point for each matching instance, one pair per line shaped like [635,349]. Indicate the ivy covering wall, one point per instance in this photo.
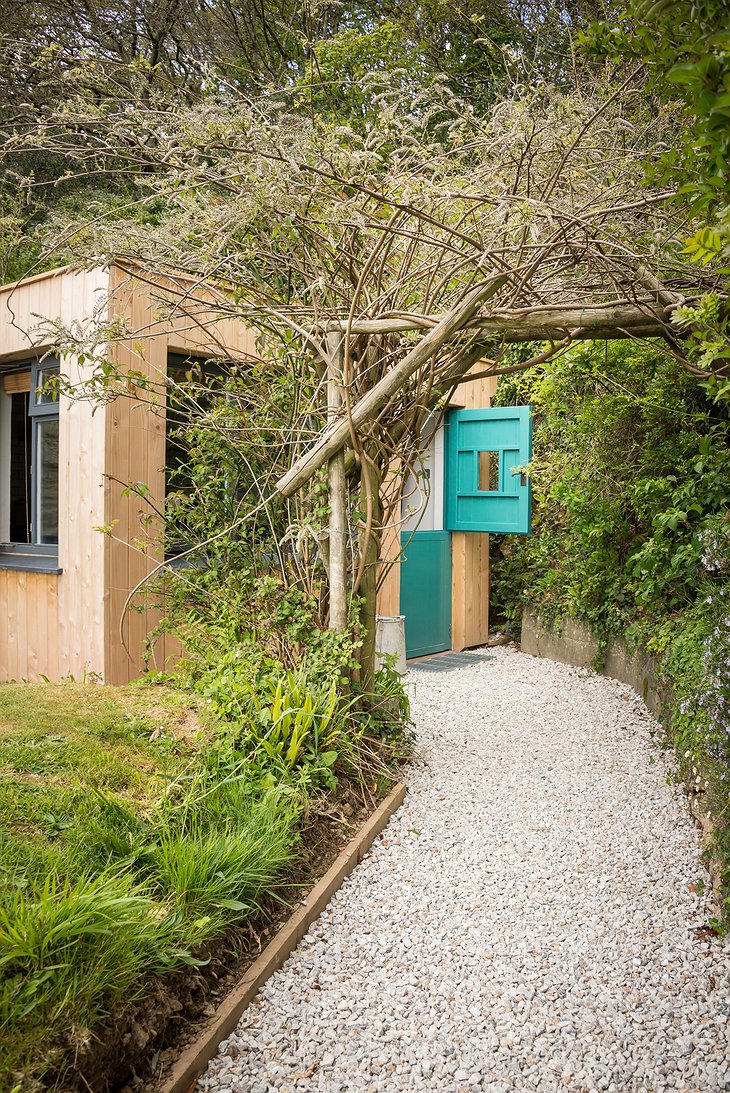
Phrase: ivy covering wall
[631,494]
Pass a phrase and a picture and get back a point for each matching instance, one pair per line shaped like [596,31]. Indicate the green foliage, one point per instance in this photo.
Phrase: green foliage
[631,487]
[226,429]
[300,727]
[706,324]
[103,879]
[68,951]
[475,49]
[288,727]
[127,846]
[221,863]
[254,579]
[630,466]
[685,48]
[352,71]
[392,704]
[332,61]
[695,663]
[685,45]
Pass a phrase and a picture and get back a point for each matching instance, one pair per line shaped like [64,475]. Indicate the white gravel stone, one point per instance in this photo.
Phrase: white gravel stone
[527,921]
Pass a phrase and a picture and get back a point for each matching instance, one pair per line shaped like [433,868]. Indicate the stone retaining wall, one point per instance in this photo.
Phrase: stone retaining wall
[577,645]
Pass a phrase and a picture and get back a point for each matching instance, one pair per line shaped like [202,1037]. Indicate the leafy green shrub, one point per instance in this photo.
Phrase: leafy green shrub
[631,488]
[289,726]
[630,468]
[299,726]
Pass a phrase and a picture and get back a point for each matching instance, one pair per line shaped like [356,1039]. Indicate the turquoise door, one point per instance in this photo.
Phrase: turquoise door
[486,455]
[425,591]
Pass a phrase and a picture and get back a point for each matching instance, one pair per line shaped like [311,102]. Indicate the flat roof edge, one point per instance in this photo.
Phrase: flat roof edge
[58,271]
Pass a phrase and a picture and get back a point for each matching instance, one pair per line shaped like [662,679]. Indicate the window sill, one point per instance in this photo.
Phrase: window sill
[29,559]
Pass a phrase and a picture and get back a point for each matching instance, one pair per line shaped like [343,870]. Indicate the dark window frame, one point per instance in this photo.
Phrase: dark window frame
[34,556]
[178,362]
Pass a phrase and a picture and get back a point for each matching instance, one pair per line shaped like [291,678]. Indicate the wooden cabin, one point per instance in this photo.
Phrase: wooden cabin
[75,541]
[65,462]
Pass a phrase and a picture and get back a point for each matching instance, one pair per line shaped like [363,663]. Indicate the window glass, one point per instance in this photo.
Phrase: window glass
[195,385]
[46,391]
[31,479]
[20,487]
[46,467]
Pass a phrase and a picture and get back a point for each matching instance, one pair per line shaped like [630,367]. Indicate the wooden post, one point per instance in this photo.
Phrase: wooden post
[337,493]
[370,482]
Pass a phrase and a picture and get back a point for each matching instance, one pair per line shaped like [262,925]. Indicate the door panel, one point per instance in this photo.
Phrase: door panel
[425,591]
[472,501]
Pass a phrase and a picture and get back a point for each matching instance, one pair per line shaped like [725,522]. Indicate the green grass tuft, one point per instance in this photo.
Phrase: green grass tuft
[123,851]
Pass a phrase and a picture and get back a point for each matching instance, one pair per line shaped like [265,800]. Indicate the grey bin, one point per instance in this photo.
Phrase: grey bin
[390,638]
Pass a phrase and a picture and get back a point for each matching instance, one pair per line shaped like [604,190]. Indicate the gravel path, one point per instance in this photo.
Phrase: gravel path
[526,922]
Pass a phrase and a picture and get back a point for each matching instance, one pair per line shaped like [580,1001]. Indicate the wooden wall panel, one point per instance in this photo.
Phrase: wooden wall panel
[54,624]
[133,549]
[193,326]
[24,308]
[135,442]
[474,394]
[469,589]
[81,498]
[11,636]
[28,625]
[470,550]
[388,597]
[16,383]
[389,591]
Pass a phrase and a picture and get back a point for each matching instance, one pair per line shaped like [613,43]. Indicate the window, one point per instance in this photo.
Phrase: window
[489,472]
[29,435]
[196,384]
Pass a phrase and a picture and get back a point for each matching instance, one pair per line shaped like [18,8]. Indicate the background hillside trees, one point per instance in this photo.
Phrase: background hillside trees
[332,59]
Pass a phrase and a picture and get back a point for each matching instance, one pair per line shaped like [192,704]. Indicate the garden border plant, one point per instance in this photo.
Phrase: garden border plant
[148,878]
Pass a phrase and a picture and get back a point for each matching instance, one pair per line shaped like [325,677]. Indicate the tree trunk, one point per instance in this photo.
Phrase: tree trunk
[337,495]
[371,532]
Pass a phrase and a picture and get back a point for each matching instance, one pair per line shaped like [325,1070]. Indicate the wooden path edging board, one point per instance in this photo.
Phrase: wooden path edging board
[197,1055]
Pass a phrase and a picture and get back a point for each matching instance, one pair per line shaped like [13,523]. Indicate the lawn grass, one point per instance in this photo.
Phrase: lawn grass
[142,828]
[119,856]
[66,749]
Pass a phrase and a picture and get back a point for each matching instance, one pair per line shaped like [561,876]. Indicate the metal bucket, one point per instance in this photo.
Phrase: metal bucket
[390,639]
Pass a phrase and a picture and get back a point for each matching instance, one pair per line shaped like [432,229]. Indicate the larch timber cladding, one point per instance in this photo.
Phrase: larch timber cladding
[135,452]
[53,624]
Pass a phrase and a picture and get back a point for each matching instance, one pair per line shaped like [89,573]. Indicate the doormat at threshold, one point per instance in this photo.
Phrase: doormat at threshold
[447,662]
